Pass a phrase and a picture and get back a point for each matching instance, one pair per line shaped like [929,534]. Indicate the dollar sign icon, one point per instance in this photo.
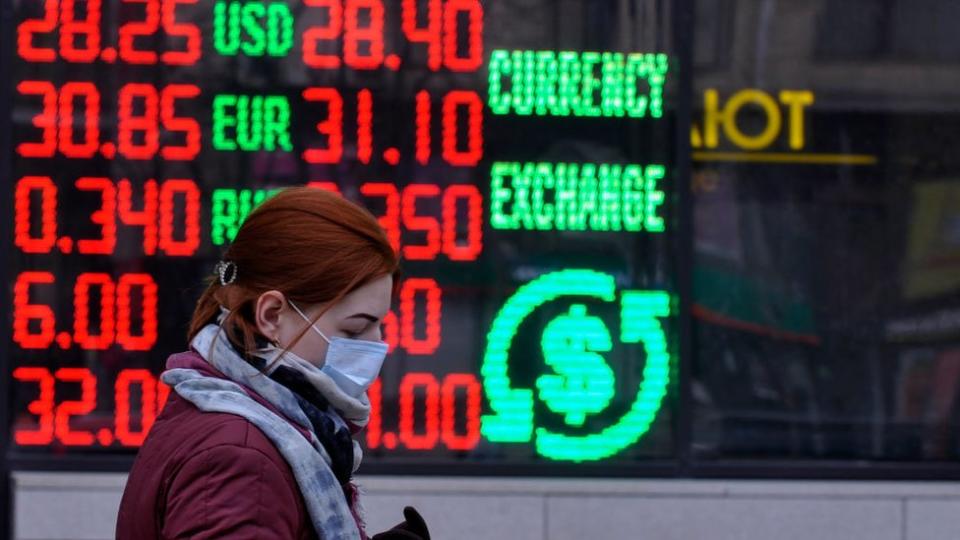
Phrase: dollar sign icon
[583,383]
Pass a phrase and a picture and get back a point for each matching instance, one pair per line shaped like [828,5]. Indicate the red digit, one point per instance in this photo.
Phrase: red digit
[353,34]
[471,250]
[390,220]
[148,312]
[86,405]
[41,407]
[146,123]
[423,127]
[29,27]
[375,425]
[434,305]
[132,30]
[91,129]
[191,32]
[146,218]
[474,152]
[408,387]
[179,124]
[23,215]
[81,311]
[88,27]
[451,438]
[364,125]
[24,312]
[332,127]
[46,120]
[191,215]
[474,57]
[315,34]
[429,34]
[148,405]
[427,224]
[105,216]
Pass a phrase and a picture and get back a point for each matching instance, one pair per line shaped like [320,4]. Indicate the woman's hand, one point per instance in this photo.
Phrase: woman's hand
[413,528]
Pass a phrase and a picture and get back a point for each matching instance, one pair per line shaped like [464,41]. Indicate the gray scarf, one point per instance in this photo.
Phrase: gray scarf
[309,461]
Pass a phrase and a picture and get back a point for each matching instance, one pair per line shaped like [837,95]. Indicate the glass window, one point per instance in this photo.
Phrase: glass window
[826,278]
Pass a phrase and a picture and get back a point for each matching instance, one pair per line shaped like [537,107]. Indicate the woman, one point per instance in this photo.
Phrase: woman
[255,440]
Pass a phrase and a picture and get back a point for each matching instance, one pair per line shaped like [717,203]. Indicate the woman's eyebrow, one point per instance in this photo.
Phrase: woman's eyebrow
[367,316]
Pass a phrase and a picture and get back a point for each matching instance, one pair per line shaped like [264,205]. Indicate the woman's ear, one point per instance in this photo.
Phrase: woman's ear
[267,314]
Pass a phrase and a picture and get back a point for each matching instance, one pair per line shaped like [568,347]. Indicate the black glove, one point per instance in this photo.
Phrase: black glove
[413,528]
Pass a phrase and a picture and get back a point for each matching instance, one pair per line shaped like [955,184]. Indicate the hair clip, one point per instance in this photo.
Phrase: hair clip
[227,271]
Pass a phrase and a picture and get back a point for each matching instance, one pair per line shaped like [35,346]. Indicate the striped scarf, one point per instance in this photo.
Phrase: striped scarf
[311,462]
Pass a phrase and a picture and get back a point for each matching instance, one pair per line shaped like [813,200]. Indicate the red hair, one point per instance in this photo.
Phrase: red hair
[312,245]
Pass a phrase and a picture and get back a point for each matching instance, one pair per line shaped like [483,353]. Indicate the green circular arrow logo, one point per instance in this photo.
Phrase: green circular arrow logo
[582,382]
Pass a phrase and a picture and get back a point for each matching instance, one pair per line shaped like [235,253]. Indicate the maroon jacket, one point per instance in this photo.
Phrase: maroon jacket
[210,475]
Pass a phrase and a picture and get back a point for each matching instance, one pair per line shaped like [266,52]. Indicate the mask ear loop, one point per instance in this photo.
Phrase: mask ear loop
[271,366]
[296,339]
[312,324]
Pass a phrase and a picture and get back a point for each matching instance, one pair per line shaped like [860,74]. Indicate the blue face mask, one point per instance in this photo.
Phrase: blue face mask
[352,363]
